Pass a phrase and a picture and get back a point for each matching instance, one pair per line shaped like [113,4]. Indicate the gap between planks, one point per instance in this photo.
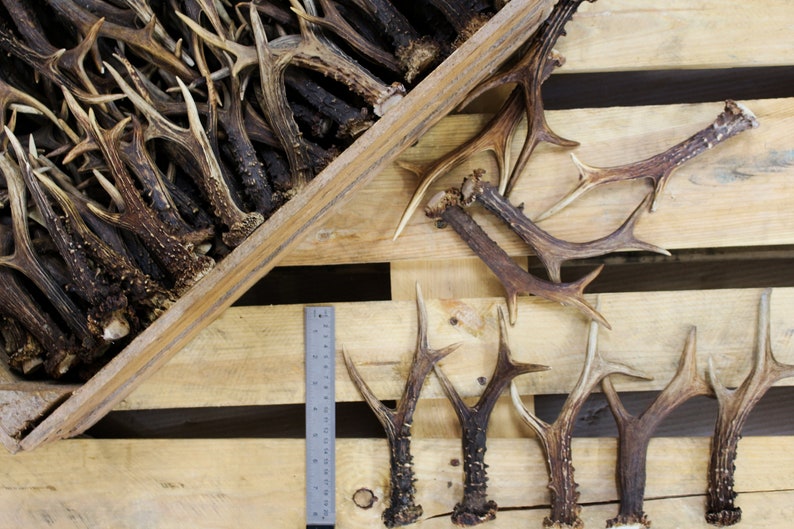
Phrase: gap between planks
[229,483]
[254,355]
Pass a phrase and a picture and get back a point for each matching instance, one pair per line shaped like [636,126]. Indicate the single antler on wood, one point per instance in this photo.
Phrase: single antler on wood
[735,118]
[475,507]
[446,206]
[635,433]
[402,509]
[735,406]
[555,438]
[551,251]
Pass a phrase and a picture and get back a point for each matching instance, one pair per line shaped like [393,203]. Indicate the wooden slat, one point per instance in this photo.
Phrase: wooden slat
[254,355]
[705,204]
[625,35]
[397,130]
[229,483]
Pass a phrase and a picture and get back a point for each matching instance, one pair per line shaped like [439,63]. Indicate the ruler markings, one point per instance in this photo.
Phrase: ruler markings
[320,352]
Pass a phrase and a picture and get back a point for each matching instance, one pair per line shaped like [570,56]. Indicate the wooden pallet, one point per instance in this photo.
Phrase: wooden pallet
[737,196]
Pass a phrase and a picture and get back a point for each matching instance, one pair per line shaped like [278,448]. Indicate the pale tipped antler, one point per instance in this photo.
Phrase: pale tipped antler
[555,438]
[735,406]
[516,281]
[475,507]
[735,118]
[530,71]
[397,421]
[551,251]
[494,137]
[635,433]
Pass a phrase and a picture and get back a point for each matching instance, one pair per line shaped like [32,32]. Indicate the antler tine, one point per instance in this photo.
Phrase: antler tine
[636,432]
[334,21]
[555,438]
[734,118]
[735,406]
[514,279]
[493,137]
[552,251]
[397,422]
[475,507]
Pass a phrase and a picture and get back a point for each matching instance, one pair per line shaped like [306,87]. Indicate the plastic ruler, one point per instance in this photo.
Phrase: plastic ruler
[320,417]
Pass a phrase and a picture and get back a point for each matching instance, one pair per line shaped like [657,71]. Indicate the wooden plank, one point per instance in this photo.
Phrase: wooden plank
[254,355]
[710,192]
[229,482]
[448,279]
[397,130]
[624,35]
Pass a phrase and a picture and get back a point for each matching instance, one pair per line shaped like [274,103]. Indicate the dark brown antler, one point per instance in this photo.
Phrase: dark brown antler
[555,438]
[516,280]
[551,251]
[397,422]
[530,72]
[635,433]
[735,118]
[735,406]
[475,507]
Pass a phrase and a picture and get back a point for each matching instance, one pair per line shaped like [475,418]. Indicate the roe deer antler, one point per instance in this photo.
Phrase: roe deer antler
[635,433]
[402,509]
[551,251]
[735,406]
[446,206]
[735,118]
[475,507]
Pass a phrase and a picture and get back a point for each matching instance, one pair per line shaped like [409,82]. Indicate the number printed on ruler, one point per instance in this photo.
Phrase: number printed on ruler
[320,416]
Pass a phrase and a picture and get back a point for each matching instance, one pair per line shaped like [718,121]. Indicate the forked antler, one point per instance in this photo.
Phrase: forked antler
[735,118]
[530,71]
[515,280]
[552,251]
[402,508]
[475,507]
[555,438]
[735,406]
[635,433]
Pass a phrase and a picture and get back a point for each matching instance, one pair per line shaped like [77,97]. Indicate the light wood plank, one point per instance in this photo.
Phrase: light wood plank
[625,35]
[393,133]
[254,355]
[454,278]
[705,204]
[229,483]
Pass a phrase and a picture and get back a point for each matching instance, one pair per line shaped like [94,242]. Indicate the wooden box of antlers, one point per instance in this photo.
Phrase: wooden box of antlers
[204,413]
[196,288]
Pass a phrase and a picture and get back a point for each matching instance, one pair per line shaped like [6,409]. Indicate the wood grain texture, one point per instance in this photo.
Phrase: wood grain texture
[254,355]
[709,192]
[229,483]
[626,35]
[417,112]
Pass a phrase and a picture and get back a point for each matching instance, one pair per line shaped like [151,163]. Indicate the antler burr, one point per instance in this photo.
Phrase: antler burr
[555,438]
[735,406]
[402,509]
[635,433]
[475,507]
[735,118]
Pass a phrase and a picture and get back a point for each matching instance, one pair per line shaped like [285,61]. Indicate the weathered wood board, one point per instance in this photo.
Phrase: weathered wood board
[228,483]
